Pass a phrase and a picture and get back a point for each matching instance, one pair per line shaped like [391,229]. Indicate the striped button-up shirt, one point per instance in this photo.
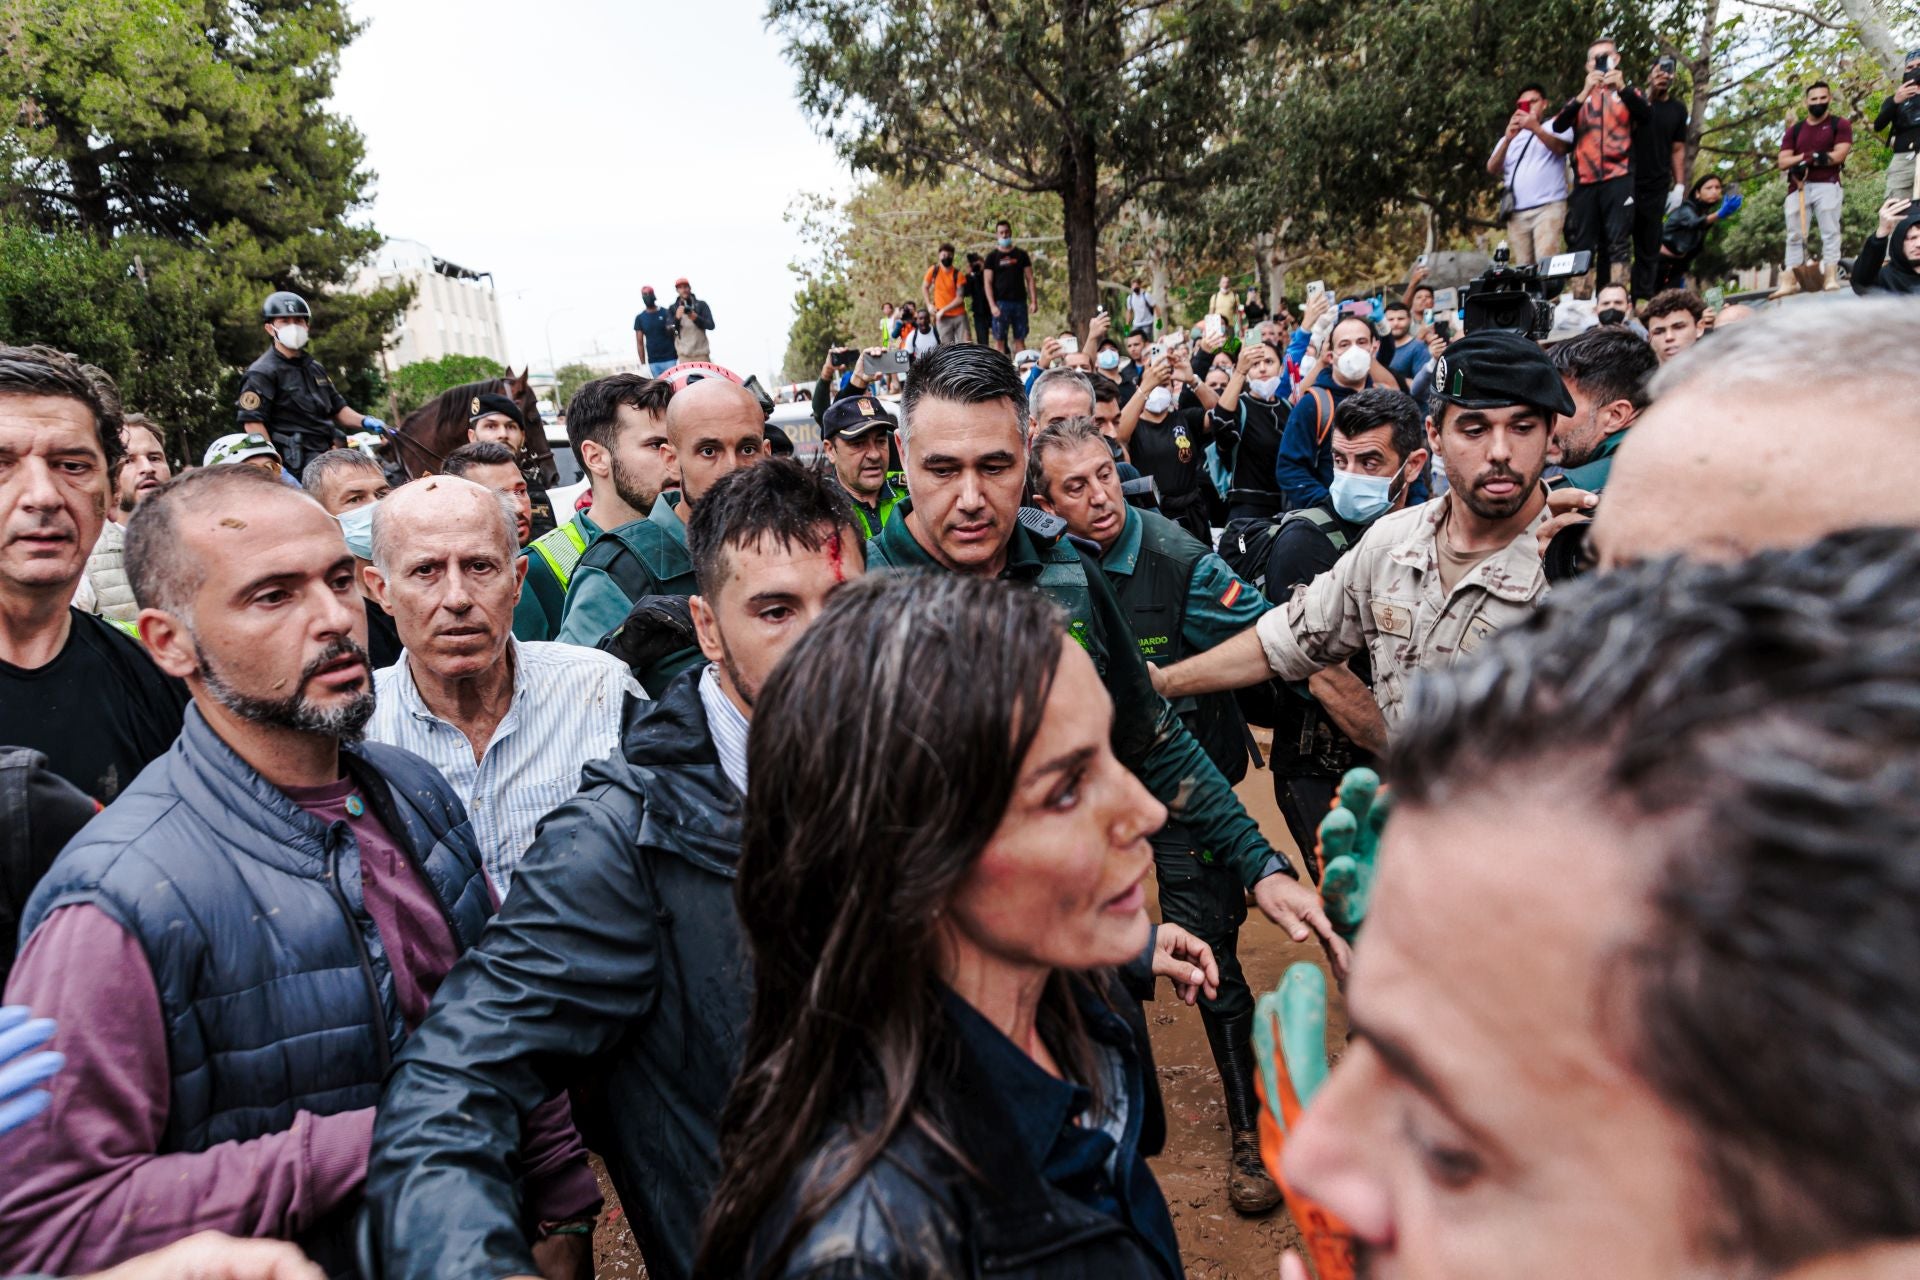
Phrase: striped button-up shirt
[567,710]
[728,727]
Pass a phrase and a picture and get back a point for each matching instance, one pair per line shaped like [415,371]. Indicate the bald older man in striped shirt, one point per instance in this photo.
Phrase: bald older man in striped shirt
[510,723]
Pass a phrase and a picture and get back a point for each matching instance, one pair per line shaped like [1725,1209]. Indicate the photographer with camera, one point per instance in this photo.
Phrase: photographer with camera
[692,318]
[1811,155]
[1603,118]
[1530,160]
[1659,174]
[1901,113]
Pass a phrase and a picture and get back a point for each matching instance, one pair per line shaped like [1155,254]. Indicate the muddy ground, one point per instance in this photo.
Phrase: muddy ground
[1216,1243]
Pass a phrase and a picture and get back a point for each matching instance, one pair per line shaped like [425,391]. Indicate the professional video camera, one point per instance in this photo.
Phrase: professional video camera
[1515,298]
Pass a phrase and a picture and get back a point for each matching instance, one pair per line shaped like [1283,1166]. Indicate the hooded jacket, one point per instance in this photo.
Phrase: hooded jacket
[1883,263]
[616,967]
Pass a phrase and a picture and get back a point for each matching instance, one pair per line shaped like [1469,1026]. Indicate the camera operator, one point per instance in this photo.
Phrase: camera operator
[1901,113]
[1811,154]
[1602,118]
[1530,159]
[692,319]
[1659,174]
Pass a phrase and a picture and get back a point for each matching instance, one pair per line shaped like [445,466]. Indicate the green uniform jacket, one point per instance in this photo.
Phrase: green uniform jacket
[872,519]
[1181,599]
[644,558]
[1591,475]
[551,559]
[1147,736]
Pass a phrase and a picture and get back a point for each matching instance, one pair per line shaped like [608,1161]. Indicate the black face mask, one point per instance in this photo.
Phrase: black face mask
[1612,315]
[1817,110]
[946,259]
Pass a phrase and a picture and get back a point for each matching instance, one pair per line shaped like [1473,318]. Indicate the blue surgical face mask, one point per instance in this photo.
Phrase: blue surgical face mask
[1265,388]
[356,523]
[1361,499]
[1109,359]
[1006,242]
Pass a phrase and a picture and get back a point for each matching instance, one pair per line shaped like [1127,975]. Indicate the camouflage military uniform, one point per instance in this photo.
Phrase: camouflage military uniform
[1385,596]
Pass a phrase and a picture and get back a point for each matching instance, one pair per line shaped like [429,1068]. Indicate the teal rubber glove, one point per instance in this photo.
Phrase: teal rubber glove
[1349,844]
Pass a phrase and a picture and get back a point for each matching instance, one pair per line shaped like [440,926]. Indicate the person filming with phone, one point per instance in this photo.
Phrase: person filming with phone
[1530,159]
[1901,113]
[1603,118]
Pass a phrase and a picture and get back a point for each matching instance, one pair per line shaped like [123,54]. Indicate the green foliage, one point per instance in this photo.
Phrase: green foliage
[570,378]
[191,137]
[1090,101]
[415,384]
[822,319]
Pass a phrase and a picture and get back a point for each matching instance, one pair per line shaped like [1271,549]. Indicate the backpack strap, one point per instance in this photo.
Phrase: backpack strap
[1322,414]
[1321,519]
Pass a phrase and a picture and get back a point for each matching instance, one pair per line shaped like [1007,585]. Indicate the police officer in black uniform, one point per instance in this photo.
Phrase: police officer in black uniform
[1180,599]
[289,396]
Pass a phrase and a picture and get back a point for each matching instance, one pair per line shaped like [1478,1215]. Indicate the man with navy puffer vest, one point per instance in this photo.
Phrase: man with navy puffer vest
[235,950]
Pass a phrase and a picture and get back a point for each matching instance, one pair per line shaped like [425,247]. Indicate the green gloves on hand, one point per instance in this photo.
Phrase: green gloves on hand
[1349,843]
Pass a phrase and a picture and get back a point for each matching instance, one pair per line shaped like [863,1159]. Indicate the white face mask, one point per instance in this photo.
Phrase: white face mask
[1265,388]
[291,336]
[1159,400]
[1353,363]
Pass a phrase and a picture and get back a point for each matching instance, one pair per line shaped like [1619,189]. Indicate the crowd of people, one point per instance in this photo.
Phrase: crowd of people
[1605,172]
[778,831]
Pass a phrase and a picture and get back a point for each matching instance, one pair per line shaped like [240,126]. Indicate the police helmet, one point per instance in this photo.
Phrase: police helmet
[282,304]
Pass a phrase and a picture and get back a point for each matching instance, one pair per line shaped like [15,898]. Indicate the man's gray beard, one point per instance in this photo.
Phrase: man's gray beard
[347,722]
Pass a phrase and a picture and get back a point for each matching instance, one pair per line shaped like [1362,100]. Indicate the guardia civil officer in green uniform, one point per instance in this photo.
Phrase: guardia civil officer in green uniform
[714,427]
[858,434]
[964,447]
[1180,599]
[289,396]
[617,428]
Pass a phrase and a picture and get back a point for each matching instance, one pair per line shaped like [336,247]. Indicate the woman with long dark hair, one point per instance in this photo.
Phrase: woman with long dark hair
[943,863]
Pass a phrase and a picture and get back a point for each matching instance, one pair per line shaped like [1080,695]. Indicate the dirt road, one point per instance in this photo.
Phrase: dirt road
[1217,1243]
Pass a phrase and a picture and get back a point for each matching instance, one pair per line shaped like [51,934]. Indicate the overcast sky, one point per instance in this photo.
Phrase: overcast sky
[580,148]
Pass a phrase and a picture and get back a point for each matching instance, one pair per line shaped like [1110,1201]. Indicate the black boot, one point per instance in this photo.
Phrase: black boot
[1249,1187]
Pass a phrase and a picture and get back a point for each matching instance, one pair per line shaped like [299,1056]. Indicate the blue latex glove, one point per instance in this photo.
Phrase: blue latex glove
[21,1069]
[1730,206]
[374,424]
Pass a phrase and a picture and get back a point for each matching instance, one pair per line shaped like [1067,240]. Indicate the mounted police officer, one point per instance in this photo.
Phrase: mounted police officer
[963,443]
[857,432]
[287,393]
[1180,598]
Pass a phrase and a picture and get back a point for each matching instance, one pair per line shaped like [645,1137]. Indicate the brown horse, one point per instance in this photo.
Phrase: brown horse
[428,434]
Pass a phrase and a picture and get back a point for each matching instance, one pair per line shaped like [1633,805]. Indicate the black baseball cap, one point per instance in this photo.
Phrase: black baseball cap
[481,406]
[855,416]
[1495,368]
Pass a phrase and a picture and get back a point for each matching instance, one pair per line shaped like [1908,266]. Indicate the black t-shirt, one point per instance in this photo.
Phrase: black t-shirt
[1157,450]
[1009,268]
[1305,739]
[1257,456]
[100,711]
[1653,140]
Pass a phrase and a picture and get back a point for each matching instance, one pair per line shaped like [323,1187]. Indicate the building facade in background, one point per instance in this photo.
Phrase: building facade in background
[454,310]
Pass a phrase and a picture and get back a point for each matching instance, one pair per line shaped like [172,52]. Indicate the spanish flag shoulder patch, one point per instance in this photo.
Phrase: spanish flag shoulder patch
[1231,594]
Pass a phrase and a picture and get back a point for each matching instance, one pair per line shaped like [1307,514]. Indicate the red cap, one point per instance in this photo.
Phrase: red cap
[646,288]
[682,280]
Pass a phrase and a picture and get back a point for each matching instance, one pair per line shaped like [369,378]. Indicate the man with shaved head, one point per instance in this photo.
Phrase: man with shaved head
[510,723]
[714,427]
[1740,452]
[237,947]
